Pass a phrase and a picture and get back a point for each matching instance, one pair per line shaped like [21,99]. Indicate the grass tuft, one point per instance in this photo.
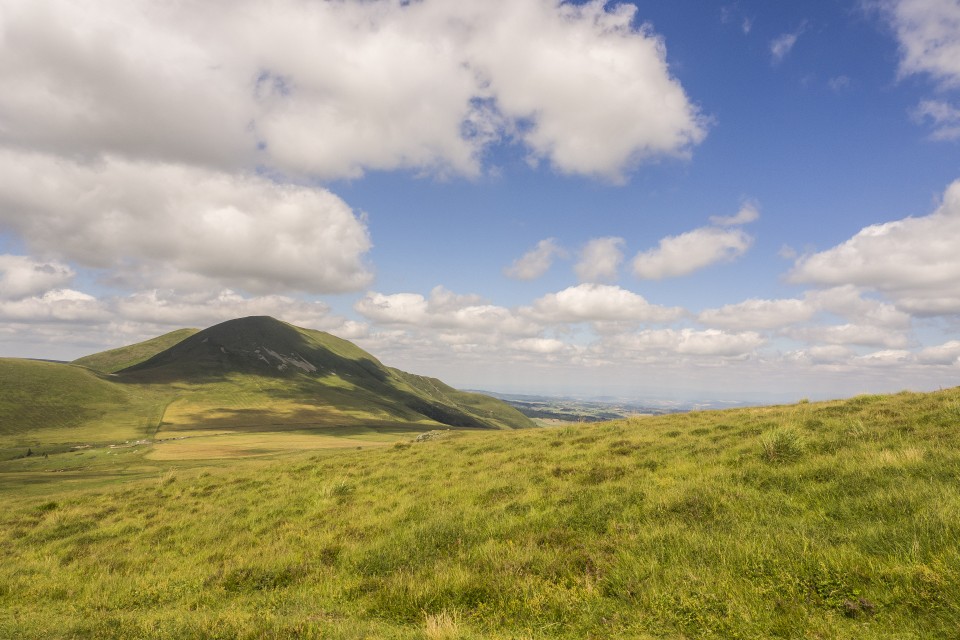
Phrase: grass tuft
[782,445]
[442,626]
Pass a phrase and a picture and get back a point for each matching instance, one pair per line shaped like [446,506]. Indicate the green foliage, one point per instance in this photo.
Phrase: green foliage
[820,520]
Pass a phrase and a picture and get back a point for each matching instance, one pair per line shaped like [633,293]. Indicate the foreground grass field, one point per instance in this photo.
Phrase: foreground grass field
[829,520]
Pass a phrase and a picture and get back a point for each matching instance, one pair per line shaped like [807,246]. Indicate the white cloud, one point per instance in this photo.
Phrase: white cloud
[56,305]
[913,260]
[160,307]
[595,90]
[334,89]
[545,346]
[749,212]
[929,36]
[691,342]
[851,334]
[758,314]
[783,44]
[828,354]
[239,230]
[947,353]
[22,276]
[536,262]
[598,303]
[944,117]
[68,323]
[688,252]
[442,309]
[885,358]
[600,260]
[849,302]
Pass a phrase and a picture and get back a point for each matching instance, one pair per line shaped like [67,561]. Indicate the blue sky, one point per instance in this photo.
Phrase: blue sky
[696,199]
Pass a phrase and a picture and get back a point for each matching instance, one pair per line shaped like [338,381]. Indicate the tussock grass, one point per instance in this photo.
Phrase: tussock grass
[821,520]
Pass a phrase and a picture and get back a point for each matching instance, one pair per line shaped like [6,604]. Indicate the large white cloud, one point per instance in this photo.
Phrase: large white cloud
[913,260]
[929,36]
[592,302]
[594,91]
[331,89]
[239,230]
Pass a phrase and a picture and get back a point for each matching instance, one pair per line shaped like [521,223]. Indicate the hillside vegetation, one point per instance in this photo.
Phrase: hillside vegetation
[116,359]
[826,520]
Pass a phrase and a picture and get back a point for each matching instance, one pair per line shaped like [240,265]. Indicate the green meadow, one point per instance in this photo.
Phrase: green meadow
[817,520]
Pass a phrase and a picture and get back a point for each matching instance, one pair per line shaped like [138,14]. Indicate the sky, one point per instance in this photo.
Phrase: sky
[694,199]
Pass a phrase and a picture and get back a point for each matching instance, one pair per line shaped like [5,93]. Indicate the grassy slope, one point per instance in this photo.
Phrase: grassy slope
[832,520]
[116,359]
[45,403]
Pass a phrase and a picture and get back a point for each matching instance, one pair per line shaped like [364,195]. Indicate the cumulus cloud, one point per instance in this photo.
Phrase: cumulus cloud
[443,309]
[203,309]
[813,319]
[688,252]
[600,260]
[536,262]
[947,353]
[334,89]
[240,230]
[929,35]
[851,334]
[598,303]
[758,314]
[68,323]
[943,116]
[22,276]
[913,260]
[56,305]
[544,346]
[689,342]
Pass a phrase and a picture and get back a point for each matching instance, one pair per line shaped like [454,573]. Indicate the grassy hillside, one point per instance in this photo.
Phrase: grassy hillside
[116,359]
[43,403]
[829,520]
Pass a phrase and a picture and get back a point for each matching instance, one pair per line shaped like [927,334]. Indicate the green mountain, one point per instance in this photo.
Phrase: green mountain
[248,375]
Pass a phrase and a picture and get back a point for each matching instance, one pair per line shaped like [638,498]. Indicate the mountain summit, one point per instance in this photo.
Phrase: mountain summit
[260,345]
